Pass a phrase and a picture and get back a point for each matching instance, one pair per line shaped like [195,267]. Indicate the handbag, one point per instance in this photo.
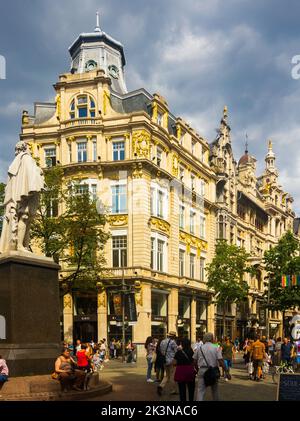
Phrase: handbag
[185,373]
[212,374]
[54,375]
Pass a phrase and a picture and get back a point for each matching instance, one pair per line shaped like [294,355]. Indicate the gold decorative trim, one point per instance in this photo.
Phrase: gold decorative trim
[139,297]
[141,144]
[58,106]
[175,165]
[118,220]
[67,301]
[101,299]
[160,225]
[192,241]
[137,170]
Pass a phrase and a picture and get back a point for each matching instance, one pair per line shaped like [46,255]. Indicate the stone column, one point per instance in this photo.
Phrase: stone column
[142,329]
[173,310]
[68,317]
[102,315]
[193,320]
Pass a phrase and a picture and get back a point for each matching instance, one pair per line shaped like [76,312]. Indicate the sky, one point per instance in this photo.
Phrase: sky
[199,54]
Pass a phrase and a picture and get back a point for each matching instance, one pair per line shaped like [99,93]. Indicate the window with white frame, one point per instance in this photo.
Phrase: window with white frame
[119,250]
[193,181]
[181,216]
[94,192]
[82,151]
[50,157]
[119,151]
[160,118]
[181,173]
[193,147]
[82,106]
[159,201]
[202,188]
[202,226]
[202,269]
[87,186]
[82,188]
[192,265]
[159,155]
[159,252]
[181,262]
[192,221]
[94,151]
[119,198]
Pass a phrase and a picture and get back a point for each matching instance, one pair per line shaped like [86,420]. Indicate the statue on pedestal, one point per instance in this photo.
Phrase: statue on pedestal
[24,184]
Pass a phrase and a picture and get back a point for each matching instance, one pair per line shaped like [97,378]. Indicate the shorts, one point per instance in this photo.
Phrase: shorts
[257,363]
[3,378]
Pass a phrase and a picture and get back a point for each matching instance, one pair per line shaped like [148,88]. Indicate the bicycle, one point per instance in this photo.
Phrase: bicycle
[283,368]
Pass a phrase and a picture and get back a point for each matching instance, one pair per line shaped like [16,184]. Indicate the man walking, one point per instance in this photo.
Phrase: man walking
[257,354]
[286,351]
[206,356]
[168,348]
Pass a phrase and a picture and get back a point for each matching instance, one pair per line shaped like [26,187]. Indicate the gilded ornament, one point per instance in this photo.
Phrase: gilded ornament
[118,220]
[67,301]
[58,106]
[106,100]
[160,225]
[175,165]
[25,118]
[101,299]
[141,144]
[139,297]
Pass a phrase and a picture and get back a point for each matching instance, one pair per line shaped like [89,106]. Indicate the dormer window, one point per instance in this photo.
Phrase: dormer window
[83,106]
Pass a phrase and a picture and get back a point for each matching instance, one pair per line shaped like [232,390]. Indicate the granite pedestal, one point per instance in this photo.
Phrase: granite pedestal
[29,313]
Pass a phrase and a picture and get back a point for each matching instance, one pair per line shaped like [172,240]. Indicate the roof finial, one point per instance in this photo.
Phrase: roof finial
[97,29]
[270,145]
[225,112]
[246,144]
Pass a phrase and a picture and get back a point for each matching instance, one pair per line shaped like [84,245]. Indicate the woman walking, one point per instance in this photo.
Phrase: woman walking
[150,348]
[228,354]
[159,366]
[185,370]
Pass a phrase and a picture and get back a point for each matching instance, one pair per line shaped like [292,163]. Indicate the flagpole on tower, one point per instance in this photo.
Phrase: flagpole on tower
[97,29]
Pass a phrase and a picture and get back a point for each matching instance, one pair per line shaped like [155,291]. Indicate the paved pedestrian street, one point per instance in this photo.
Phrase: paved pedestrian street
[129,384]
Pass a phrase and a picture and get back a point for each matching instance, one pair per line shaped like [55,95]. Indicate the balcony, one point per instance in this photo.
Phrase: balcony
[77,122]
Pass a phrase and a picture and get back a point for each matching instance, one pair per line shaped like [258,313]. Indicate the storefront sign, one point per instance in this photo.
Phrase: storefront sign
[130,307]
[90,318]
[262,317]
[162,319]
[117,301]
[288,387]
[201,322]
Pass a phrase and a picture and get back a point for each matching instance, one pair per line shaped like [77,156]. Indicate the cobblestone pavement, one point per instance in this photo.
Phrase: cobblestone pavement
[129,384]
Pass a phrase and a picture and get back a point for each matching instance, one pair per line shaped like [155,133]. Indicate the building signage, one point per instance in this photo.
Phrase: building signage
[159,319]
[288,388]
[201,322]
[130,307]
[117,300]
[262,317]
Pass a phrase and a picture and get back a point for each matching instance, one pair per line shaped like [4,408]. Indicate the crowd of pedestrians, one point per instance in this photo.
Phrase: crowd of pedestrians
[185,370]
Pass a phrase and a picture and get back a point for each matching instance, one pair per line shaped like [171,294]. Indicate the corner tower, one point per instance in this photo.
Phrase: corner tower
[95,50]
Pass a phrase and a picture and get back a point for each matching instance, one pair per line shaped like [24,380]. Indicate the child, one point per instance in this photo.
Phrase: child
[97,361]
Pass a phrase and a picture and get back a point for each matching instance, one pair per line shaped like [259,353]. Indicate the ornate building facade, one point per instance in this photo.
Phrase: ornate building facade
[170,195]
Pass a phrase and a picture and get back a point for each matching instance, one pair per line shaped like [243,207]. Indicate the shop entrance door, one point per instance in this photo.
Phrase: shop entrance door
[85,331]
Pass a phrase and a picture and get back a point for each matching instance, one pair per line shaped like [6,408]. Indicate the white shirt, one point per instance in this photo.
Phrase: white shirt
[212,355]
[196,346]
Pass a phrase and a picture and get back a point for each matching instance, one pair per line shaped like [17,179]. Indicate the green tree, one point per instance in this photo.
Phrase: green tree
[226,275]
[283,259]
[69,228]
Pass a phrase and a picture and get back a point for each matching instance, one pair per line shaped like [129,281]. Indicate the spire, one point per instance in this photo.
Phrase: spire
[97,29]
[225,113]
[270,157]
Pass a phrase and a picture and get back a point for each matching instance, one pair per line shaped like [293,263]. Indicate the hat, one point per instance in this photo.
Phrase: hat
[172,333]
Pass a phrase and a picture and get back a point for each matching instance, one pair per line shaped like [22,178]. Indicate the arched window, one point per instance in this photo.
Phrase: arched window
[2,327]
[82,106]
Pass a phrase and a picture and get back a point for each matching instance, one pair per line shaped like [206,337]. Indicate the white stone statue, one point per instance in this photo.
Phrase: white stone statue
[24,184]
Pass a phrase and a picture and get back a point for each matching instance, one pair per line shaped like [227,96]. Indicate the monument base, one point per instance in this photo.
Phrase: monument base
[29,313]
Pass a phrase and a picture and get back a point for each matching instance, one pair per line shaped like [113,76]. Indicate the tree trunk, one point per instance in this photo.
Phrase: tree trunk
[224,320]
[284,333]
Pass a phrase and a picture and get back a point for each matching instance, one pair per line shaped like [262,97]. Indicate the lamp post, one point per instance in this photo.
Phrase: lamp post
[268,303]
[123,312]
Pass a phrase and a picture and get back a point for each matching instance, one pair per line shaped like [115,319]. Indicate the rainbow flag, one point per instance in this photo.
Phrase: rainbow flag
[290,280]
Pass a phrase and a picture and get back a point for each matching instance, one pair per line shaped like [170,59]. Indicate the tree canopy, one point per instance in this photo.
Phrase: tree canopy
[69,228]
[283,259]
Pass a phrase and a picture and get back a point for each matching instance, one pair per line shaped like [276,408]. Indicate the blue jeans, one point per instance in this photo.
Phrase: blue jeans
[149,368]
[3,378]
